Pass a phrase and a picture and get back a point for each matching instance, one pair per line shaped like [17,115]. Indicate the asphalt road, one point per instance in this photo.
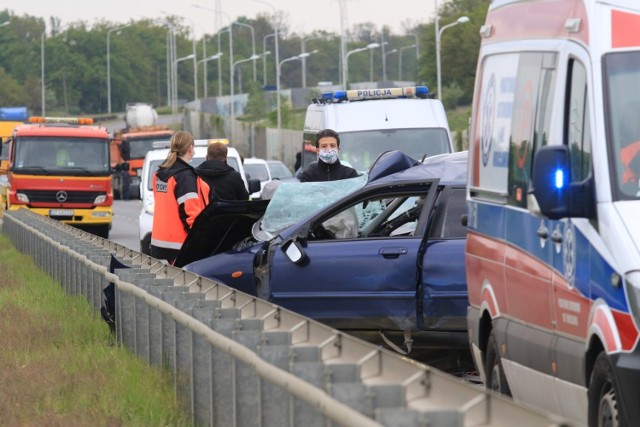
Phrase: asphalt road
[125,223]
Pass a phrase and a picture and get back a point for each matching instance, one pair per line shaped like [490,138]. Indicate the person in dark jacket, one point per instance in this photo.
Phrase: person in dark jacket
[225,183]
[179,198]
[328,167]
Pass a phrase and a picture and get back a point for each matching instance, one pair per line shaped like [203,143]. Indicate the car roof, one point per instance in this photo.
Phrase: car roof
[394,166]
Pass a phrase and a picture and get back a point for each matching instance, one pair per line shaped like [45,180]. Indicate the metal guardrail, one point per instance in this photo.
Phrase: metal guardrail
[240,361]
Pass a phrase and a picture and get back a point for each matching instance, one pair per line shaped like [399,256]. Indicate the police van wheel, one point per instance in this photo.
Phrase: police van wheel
[604,409]
[145,244]
[496,379]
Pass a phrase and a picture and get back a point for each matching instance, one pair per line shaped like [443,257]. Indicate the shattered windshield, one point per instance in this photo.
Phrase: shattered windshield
[295,201]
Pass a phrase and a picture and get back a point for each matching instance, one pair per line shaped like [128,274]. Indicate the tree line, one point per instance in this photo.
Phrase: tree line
[75,58]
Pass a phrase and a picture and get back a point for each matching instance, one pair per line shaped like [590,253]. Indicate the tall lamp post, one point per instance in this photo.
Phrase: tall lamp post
[175,85]
[253,44]
[4,24]
[304,60]
[264,62]
[204,61]
[277,58]
[345,66]
[461,20]
[400,59]
[42,38]
[233,67]
[387,53]
[109,64]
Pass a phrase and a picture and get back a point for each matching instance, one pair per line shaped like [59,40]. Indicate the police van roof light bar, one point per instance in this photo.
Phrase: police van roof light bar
[361,94]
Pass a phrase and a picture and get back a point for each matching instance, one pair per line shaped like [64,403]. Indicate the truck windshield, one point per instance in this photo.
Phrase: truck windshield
[140,147]
[61,156]
[622,73]
[361,149]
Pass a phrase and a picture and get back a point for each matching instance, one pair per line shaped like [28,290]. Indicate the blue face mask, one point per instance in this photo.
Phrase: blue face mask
[328,155]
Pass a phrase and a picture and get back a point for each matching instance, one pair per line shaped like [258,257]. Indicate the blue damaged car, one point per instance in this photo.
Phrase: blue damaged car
[380,256]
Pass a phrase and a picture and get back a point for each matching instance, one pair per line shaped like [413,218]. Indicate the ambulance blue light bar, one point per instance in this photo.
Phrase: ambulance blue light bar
[360,94]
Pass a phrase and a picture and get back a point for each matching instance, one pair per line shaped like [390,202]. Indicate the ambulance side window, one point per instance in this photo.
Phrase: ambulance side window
[530,119]
[577,130]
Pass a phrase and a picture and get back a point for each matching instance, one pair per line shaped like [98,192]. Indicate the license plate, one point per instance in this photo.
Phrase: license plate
[61,212]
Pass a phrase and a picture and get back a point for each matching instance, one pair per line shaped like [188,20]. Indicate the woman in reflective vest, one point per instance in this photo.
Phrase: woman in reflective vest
[179,197]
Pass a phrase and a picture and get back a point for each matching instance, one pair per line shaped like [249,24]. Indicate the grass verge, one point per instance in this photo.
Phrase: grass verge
[58,362]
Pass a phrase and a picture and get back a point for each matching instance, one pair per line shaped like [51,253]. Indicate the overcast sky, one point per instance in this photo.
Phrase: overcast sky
[304,15]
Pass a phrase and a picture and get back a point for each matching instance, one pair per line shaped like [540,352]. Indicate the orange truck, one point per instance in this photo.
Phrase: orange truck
[130,145]
[10,117]
[60,168]
[128,148]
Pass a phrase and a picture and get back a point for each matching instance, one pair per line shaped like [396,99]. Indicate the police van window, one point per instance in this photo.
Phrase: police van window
[577,130]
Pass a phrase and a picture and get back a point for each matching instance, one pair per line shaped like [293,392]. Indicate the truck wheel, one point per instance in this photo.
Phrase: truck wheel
[496,379]
[603,395]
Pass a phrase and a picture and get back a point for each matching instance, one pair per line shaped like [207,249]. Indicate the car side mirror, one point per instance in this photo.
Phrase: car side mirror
[556,195]
[254,185]
[294,251]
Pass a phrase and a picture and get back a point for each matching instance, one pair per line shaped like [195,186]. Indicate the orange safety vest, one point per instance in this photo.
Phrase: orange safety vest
[179,198]
[627,154]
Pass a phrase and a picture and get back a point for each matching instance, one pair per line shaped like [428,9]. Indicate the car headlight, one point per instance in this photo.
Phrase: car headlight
[632,285]
[100,199]
[149,206]
[22,197]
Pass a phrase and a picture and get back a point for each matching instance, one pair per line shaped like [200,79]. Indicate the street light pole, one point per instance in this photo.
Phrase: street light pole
[385,56]
[175,66]
[204,61]
[233,66]
[345,69]
[304,60]
[253,44]
[460,20]
[109,64]
[277,59]
[264,61]
[44,33]
[400,59]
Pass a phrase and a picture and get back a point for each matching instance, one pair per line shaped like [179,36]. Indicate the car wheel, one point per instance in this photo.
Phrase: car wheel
[496,379]
[145,245]
[604,410]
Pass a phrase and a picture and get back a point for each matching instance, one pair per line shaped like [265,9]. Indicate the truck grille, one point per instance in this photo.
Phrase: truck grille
[73,197]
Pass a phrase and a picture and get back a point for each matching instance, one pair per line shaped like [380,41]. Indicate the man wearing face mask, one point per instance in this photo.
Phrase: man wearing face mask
[328,167]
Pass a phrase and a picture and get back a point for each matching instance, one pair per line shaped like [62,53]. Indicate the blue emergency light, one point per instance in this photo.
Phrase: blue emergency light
[559,179]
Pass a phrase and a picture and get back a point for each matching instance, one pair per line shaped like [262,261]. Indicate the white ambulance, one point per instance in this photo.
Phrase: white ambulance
[372,121]
[553,246]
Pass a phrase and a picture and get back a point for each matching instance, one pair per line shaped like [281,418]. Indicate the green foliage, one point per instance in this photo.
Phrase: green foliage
[59,364]
[75,59]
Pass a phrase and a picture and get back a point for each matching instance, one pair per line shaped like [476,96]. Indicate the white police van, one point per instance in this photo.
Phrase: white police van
[372,121]
[553,242]
[152,160]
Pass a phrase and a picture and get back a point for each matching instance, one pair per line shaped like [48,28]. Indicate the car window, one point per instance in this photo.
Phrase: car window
[256,171]
[377,217]
[279,170]
[449,210]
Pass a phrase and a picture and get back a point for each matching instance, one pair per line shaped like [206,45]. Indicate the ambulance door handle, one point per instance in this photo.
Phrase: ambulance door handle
[542,231]
[556,237]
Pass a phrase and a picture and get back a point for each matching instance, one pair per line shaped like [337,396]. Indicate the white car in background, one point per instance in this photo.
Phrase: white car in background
[265,171]
[152,160]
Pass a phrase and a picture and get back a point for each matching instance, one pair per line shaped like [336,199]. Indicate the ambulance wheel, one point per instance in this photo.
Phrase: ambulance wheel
[496,379]
[604,410]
